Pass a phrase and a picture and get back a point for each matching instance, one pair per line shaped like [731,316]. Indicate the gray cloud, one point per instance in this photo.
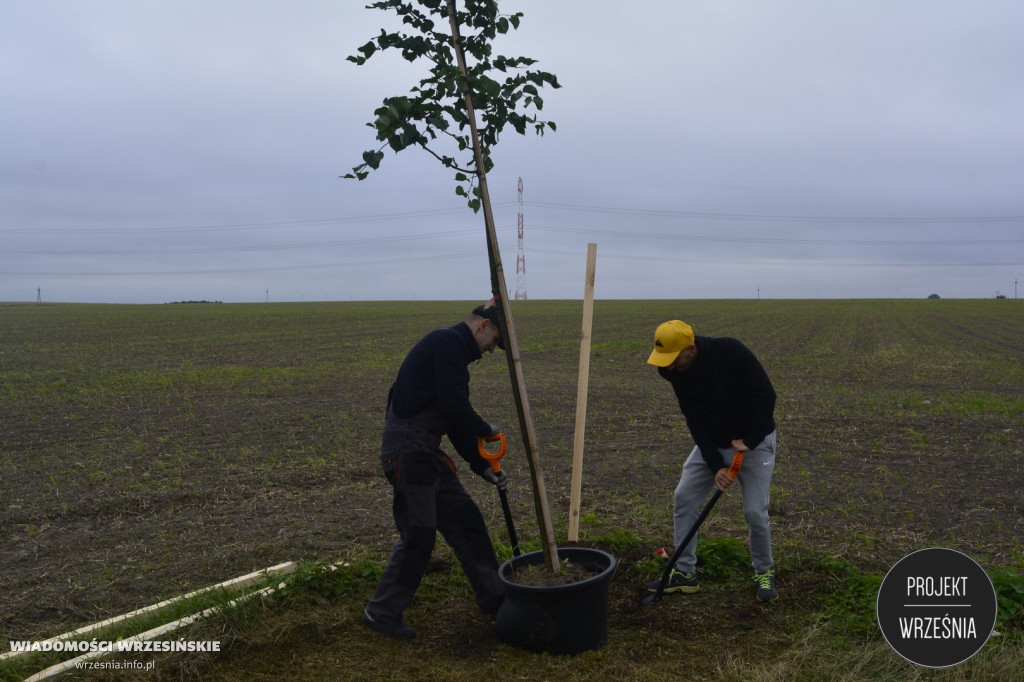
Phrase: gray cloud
[164,151]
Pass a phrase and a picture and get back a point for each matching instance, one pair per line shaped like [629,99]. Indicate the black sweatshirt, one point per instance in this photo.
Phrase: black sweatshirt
[435,374]
[725,395]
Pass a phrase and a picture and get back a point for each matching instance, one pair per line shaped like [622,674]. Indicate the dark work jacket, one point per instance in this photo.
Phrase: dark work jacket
[435,377]
[725,395]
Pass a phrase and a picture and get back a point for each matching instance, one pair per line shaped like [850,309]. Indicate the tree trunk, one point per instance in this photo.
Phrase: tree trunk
[500,292]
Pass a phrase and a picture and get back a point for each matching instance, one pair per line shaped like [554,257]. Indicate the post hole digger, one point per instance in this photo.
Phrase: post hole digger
[494,459]
[655,597]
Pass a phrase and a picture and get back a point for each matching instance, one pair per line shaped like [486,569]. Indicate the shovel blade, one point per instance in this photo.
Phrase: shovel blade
[650,600]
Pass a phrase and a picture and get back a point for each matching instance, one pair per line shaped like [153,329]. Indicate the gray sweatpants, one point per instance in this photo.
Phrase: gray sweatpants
[754,478]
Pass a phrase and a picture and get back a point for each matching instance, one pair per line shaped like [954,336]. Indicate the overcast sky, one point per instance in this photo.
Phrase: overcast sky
[161,151]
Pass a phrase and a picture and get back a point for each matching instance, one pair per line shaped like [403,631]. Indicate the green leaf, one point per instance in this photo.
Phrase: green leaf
[518,122]
[368,49]
[437,103]
[373,159]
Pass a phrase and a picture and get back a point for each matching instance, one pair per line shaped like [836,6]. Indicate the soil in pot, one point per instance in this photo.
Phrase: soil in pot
[538,574]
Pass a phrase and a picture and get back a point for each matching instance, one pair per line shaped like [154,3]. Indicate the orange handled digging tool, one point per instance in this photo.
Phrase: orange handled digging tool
[652,599]
[494,460]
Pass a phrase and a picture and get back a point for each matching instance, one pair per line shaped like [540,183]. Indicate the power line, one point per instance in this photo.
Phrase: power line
[781,263]
[777,240]
[305,266]
[230,249]
[777,218]
[475,254]
[240,226]
[588,231]
[543,228]
[558,206]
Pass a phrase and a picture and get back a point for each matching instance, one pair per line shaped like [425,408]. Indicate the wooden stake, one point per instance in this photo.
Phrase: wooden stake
[500,292]
[147,635]
[234,583]
[581,395]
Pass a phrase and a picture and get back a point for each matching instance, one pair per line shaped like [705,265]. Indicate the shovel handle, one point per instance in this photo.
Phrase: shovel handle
[507,511]
[492,457]
[651,599]
[737,462]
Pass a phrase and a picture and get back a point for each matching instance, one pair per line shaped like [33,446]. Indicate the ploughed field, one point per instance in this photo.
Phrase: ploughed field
[146,451]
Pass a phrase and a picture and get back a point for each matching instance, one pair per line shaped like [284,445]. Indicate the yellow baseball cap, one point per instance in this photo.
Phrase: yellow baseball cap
[670,338]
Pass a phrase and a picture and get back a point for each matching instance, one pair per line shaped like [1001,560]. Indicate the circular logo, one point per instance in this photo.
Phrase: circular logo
[936,607]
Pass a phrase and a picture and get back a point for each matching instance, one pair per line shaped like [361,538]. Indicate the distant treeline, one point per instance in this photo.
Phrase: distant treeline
[179,302]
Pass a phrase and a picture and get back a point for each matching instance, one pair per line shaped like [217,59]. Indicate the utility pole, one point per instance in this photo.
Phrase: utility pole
[520,254]
[39,294]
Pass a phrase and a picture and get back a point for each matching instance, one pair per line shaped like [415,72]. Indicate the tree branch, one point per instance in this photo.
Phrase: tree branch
[445,163]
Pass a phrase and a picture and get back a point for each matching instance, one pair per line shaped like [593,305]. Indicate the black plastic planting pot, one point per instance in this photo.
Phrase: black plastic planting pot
[558,619]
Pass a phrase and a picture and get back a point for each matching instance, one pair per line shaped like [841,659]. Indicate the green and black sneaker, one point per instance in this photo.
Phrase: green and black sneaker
[677,582]
[766,586]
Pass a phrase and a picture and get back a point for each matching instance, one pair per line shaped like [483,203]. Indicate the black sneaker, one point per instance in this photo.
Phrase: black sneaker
[766,586]
[677,582]
[393,630]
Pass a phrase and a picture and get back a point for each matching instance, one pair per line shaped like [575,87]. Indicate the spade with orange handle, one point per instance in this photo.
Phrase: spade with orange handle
[494,460]
[652,599]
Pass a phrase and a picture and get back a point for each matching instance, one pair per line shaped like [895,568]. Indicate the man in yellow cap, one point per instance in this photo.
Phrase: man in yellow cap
[729,403]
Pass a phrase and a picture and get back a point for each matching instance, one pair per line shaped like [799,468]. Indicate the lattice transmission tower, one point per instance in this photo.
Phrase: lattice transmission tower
[520,256]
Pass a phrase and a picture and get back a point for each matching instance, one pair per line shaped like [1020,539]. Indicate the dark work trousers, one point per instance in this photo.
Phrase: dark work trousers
[428,497]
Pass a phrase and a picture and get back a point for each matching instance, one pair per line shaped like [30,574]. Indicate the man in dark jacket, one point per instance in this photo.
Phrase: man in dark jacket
[430,399]
[728,402]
